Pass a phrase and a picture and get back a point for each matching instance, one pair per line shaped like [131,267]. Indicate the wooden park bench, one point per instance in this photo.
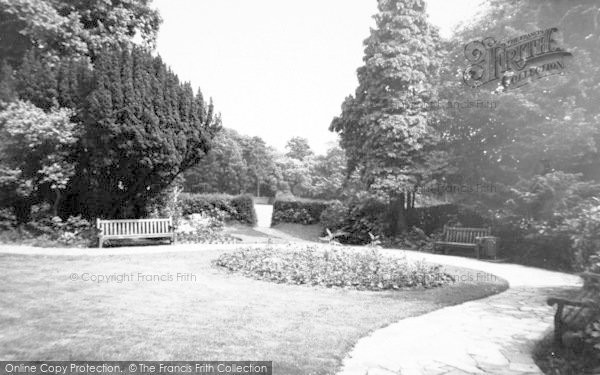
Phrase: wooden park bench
[574,314]
[466,238]
[134,228]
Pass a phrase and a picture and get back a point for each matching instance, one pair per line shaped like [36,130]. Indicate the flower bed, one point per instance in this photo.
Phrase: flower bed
[333,267]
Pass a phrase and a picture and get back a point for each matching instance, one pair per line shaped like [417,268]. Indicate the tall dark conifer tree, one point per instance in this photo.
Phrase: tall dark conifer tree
[385,127]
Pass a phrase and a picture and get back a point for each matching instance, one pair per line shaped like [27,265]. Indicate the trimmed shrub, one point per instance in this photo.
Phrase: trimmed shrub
[298,210]
[219,206]
[333,267]
[244,207]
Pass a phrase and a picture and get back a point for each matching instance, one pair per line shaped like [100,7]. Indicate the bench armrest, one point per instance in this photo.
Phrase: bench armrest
[577,303]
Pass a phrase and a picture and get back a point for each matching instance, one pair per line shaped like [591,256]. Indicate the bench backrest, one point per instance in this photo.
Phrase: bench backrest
[134,227]
[464,235]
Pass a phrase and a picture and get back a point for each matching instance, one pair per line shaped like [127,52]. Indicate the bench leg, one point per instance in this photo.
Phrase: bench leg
[100,242]
[478,251]
[558,325]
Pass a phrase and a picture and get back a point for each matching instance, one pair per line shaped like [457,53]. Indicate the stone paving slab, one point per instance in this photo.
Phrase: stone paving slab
[494,335]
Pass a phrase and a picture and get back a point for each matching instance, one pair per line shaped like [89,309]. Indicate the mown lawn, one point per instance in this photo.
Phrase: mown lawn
[44,315]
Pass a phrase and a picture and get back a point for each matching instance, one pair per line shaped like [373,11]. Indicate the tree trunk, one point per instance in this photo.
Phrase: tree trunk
[398,215]
[56,203]
[22,210]
[257,187]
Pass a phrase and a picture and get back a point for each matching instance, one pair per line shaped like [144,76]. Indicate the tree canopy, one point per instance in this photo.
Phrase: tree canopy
[385,128]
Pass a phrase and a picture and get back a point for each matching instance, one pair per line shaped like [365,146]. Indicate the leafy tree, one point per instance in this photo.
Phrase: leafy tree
[260,162]
[73,27]
[296,174]
[223,170]
[298,148]
[28,177]
[328,174]
[385,128]
[546,126]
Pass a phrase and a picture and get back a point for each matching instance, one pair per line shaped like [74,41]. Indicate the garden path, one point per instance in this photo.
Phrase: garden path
[494,335]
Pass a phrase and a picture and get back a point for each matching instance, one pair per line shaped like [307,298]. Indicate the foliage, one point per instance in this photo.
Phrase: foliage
[236,164]
[224,170]
[222,207]
[549,125]
[7,219]
[385,128]
[74,28]
[364,217]
[297,210]
[244,206]
[331,237]
[260,161]
[333,267]
[142,129]
[552,221]
[45,169]
[591,336]
[49,231]
[375,241]
[298,148]
[334,216]
[129,145]
[201,228]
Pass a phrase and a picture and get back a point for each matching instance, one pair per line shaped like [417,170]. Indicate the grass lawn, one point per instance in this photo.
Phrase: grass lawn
[305,232]
[45,315]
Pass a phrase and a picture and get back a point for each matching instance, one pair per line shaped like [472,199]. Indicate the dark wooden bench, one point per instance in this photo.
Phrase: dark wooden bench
[574,314]
[466,238]
[134,228]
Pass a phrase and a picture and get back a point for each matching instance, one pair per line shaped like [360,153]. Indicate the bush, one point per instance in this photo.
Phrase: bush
[244,207]
[53,232]
[7,219]
[334,216]
[220,206]
[333,267]
[201,228]
[552,221]
[364,216]
[298,210]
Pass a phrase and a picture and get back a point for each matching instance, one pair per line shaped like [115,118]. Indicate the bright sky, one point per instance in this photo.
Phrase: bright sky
[278,68]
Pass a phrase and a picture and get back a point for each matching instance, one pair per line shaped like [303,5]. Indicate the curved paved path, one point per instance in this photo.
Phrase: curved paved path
[494,335]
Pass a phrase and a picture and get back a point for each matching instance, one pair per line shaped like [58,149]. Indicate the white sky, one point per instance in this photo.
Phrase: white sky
[278,68]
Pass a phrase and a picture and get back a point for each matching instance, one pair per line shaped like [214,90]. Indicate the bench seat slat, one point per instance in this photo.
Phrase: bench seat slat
[134,228]
[460,244]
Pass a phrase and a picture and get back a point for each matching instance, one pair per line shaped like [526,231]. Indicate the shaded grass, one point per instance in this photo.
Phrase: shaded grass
[217,316]
[304,232]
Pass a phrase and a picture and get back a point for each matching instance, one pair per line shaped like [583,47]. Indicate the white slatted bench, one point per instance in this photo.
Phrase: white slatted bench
[134,228]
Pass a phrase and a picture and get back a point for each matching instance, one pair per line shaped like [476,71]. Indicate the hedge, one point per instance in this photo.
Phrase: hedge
[298,210]
[222,206]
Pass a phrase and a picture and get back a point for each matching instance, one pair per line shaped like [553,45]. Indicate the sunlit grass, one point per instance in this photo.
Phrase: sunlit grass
[45,315]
